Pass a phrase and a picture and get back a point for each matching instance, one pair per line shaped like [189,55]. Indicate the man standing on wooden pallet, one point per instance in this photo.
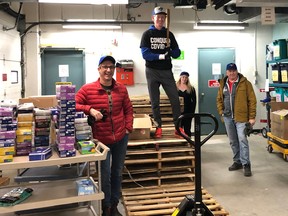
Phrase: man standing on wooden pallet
[158,45]
[236,103]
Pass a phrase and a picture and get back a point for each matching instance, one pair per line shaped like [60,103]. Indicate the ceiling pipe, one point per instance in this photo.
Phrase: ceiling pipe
[6,8]
[18,17]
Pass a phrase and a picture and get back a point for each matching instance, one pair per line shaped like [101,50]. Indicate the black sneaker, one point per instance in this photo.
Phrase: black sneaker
[235,166]
[114,211]
[247,170]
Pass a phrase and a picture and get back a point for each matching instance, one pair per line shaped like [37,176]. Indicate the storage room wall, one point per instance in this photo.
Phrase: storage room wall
[124,44]
[9,59]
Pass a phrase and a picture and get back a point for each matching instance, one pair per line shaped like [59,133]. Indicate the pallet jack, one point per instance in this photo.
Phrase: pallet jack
[193,205]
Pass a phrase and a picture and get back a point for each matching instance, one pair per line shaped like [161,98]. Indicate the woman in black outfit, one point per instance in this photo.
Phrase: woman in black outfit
[187,91]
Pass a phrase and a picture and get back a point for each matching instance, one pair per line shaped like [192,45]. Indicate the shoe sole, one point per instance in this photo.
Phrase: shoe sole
[234,169]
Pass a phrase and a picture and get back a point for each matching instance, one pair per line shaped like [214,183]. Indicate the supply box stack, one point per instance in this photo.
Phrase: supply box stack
[82,128]
[83,134]
[65,133]
[25,129]
[42,127]
[41,136]
[278,137]
[7,134]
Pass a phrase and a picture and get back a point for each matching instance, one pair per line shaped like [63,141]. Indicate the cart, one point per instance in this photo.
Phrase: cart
[278,144]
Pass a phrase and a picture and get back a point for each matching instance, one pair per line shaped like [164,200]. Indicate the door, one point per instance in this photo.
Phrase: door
[212,66]
[70,61]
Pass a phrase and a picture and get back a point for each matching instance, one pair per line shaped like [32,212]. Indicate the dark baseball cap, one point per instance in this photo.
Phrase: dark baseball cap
[105,58]
[159,10]
[231,66]
[184,73]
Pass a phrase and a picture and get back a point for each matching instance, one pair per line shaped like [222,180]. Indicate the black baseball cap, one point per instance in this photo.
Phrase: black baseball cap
[231,66]
[105,58]
[159,10]
[184,73]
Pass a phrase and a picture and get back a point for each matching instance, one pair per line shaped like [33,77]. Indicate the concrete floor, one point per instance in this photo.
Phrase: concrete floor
[265,193]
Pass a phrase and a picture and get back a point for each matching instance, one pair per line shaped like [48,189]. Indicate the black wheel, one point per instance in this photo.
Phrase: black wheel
[264,132]
[285,157]
[269,149]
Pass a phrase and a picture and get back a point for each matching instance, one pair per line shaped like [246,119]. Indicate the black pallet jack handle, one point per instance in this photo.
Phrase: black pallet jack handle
[198,207]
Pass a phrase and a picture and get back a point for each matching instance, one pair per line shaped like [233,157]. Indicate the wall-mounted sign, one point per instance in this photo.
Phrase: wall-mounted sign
[63,70]
[213,84]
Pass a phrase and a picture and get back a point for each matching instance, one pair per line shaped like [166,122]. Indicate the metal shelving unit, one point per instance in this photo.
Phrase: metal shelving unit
[267,129]
[59,192]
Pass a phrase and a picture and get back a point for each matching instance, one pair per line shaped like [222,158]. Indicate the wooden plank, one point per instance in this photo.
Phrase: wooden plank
[162,150]
[155,160]
[4,181]
[156,141]
[149,169]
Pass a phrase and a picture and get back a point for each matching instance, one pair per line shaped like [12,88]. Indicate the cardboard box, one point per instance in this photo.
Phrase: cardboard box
[40,154]
[141,127]
[45,101]
[85,187]
[279,123]
[86,147]
[278,106]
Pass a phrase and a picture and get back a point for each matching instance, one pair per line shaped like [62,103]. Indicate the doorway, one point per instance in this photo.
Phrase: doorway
[70,59]
[211,67]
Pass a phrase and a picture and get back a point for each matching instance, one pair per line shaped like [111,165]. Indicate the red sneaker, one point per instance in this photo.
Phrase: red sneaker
[158,133]
[181,130]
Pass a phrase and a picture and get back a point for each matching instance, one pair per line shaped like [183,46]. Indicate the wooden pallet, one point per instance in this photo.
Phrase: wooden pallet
[144,99]
[163,200]
[142,105]
[158,162]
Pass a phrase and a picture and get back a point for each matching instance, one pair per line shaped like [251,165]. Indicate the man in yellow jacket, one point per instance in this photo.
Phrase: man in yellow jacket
[236,103]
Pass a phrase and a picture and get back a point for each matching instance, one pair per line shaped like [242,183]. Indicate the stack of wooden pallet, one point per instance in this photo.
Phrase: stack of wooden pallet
[158,162]
[158,173]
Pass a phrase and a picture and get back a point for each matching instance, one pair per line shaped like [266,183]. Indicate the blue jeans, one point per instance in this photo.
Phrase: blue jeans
[238,140]
[111,171]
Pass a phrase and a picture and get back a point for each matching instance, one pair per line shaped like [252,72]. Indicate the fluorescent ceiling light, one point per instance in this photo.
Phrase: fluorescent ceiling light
[91,26]
[92,20]
[180,6]
[109,2]
[220,26]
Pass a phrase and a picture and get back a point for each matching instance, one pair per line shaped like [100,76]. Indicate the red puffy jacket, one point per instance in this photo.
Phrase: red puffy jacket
[113,129]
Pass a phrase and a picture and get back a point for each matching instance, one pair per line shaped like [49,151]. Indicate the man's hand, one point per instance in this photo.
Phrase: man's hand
[252,121]
[96,114]
[165,56]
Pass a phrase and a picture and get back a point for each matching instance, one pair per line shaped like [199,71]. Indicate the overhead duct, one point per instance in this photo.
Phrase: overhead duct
[197,4]
[253,14]
[20,18]
[219,3]
[230,9]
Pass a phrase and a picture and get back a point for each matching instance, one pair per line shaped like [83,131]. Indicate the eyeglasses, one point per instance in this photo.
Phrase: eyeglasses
[112,67]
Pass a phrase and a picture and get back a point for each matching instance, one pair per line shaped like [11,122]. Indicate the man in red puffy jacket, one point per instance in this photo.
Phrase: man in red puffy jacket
[108,102]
